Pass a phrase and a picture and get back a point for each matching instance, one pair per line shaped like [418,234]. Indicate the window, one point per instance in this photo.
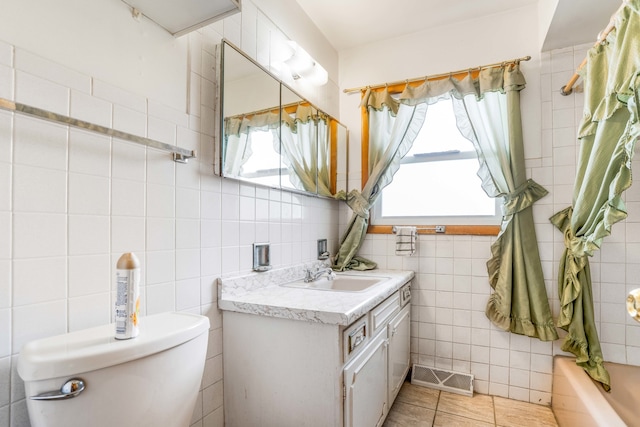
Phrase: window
[263,167]
[437,181]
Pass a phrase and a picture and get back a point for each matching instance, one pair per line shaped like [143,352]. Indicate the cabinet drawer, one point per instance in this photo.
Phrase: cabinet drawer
[382,314]
[355,337]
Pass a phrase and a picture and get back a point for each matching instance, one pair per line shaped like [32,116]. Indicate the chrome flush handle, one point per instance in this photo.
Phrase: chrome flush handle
[70,389]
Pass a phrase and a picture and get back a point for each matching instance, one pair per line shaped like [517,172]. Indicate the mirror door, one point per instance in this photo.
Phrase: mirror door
[250,121]
[272,136]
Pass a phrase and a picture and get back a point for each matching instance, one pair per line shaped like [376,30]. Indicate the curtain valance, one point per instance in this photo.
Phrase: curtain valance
[272,119]
[494,79]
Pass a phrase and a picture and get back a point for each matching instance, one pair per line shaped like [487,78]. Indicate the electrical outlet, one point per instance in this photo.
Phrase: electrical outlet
[440,228]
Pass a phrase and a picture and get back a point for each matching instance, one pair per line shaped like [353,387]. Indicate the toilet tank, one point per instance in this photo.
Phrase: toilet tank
[151,380]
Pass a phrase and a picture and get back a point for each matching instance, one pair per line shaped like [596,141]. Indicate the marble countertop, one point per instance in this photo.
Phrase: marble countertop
[262,294]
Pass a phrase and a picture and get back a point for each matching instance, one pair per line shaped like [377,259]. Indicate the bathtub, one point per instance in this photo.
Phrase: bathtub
[577,400]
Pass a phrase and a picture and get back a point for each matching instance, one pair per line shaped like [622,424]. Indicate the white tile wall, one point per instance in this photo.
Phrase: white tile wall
[449,327]
[72,201]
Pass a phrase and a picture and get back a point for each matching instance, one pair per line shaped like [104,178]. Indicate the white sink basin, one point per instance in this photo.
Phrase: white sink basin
[341,283]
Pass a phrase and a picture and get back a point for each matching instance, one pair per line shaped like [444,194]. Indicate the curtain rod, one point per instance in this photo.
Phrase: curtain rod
[568,88]
[436,76]
[275,109]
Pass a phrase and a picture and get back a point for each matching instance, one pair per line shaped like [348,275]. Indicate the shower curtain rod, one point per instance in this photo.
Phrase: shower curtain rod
[436,76]
[568,88]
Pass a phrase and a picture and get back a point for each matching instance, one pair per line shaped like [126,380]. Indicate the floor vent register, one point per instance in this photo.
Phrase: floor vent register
[454,382]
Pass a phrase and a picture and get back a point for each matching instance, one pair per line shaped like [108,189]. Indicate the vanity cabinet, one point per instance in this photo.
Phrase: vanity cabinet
[283,372]
[399,355]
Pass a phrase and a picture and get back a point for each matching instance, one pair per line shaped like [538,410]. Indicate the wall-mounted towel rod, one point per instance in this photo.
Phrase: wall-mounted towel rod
[437,229]
[180,155]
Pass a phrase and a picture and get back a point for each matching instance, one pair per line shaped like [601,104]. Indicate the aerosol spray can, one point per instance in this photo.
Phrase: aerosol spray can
[127,313]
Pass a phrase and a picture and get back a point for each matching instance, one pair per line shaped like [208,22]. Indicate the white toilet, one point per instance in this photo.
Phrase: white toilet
[151,380]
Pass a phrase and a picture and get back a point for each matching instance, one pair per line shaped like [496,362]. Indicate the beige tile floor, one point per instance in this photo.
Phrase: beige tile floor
[418,406]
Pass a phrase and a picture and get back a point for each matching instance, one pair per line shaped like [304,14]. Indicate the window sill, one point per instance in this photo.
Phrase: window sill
[471,230]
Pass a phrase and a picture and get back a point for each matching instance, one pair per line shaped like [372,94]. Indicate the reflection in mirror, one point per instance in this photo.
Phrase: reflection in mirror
[251,117]
[339,142]
[274,137]
[298,142]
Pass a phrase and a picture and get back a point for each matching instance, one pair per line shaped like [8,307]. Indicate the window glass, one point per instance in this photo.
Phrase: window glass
[263,157]
[437,181]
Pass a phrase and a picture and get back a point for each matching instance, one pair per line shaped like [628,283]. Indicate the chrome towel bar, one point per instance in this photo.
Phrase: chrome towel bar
[437,229]
[180,155]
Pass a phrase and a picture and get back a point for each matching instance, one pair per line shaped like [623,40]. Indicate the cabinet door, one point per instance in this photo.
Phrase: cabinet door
[399,353]
[365,381]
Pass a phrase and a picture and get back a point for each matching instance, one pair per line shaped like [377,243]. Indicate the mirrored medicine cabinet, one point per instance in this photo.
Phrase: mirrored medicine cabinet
[270,135]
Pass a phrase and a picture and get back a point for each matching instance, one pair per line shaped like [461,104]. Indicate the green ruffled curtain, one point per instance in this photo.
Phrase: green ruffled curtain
[302,142]
[493,124]
[238,131]
[488,113]
[394,127]
[324,157]
[607,135]
[299,135]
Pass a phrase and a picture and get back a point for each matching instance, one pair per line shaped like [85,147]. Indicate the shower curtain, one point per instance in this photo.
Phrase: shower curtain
[607,135]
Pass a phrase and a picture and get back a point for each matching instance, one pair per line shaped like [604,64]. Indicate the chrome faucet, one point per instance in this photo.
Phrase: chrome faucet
[313,275]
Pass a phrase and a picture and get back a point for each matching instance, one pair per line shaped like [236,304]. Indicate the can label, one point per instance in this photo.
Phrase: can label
[127,310]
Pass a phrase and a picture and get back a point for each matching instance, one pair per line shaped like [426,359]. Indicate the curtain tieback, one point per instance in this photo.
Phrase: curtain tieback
[358,203]
[523,197]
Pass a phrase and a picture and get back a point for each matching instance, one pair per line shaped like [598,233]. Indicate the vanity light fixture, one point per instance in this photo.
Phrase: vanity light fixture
[295,61]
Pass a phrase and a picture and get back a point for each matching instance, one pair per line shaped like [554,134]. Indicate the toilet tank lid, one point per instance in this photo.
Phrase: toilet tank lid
[96,348]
